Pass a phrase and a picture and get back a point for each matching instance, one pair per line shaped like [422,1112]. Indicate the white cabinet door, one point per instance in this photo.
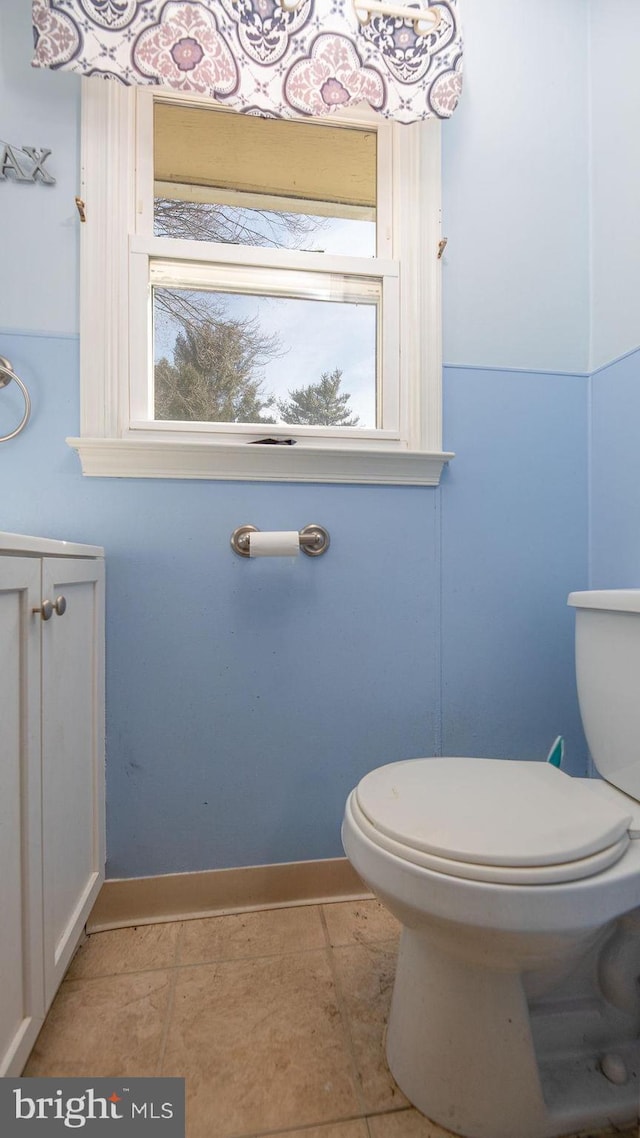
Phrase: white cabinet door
[21,972]
[72,756]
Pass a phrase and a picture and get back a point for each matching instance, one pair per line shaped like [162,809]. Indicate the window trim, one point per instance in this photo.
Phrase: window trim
[110,445]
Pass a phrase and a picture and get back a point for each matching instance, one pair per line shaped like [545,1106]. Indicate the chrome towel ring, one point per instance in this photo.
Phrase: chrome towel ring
[6,375]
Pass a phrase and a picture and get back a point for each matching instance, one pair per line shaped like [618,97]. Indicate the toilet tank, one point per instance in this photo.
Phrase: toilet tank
[608,678]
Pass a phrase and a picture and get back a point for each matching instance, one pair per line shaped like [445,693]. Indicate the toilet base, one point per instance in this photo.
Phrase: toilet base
[460,1046]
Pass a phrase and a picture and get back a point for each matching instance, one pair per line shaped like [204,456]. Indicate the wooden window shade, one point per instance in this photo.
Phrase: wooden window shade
[216,156]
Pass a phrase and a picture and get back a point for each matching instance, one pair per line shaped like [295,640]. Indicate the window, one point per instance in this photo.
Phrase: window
[250,282]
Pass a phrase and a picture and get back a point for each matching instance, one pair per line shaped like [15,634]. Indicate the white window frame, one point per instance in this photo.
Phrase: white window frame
[119,254]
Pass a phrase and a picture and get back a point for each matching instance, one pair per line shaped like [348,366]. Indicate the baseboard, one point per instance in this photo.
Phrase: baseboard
[185,896]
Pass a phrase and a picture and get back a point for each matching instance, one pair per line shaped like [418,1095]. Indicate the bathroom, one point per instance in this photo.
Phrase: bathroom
[245,701]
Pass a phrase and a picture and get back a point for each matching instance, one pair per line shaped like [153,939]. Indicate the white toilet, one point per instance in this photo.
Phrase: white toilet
[516,1005]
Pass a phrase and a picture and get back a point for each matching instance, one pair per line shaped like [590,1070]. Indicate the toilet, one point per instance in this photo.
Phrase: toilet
[516,1003]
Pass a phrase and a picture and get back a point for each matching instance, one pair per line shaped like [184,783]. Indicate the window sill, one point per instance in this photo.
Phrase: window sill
[137,458]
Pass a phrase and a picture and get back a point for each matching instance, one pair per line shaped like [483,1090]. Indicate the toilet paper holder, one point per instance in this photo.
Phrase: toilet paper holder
[314,540]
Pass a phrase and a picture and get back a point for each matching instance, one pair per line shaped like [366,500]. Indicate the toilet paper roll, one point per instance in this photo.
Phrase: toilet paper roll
[276,543]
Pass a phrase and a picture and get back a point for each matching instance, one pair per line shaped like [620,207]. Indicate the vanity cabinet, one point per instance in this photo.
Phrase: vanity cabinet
[51,773]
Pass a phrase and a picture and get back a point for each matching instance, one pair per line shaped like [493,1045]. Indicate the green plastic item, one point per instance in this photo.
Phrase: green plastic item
[556,754]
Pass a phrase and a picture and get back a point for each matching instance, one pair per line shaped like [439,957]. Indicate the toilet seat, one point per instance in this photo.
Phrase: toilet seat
[491,820]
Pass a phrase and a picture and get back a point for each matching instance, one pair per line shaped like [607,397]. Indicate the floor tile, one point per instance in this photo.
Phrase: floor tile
[251,934]
[360,922]
[125,950]
[262,1046]
[355,1129]
[412,1124]
[107,1027]
[634,1132]
[405,1124]
[366,974]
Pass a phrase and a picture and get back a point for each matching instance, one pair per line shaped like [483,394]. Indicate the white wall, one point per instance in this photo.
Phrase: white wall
[615,179]
[515,189]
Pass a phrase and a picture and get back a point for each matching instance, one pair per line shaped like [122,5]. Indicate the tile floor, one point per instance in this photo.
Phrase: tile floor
[275,1019]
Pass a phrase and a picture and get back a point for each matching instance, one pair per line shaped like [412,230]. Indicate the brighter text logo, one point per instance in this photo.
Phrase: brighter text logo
[136,1107]
[72,1111]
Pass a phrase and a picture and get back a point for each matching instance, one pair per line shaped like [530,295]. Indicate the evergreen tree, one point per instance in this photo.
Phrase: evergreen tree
[319,404]
[213,375]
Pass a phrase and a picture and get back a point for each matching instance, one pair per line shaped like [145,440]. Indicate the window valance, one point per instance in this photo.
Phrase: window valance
[281,58]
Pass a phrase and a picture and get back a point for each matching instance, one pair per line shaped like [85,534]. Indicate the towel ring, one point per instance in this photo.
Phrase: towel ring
[6,375]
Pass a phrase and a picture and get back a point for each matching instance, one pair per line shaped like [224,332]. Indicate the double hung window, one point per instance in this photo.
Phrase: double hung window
[260,297]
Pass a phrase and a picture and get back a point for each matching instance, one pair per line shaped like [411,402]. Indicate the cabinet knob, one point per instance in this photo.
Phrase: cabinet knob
[45,610]
[61,605]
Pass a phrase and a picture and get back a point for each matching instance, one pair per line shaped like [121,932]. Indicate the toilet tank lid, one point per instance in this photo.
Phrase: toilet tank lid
[611,600]
[490,811]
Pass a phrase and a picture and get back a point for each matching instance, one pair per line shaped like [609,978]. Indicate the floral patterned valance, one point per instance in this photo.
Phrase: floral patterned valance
[266,57]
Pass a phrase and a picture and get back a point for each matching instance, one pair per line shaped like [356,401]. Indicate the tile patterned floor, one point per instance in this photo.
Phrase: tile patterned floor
[275,1019]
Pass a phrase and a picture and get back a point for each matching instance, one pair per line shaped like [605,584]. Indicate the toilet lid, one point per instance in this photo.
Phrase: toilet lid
[490,812]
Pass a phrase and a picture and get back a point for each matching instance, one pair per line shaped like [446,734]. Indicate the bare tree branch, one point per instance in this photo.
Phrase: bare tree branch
[233,225]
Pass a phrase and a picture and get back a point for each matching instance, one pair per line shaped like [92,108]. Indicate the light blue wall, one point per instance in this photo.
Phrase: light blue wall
[515,169]
[614,558]
[244,699]
[39,224]
[514,536]
[615,475]
[615,179]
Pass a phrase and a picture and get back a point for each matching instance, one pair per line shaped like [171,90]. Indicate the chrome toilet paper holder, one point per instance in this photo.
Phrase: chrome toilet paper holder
[314,540]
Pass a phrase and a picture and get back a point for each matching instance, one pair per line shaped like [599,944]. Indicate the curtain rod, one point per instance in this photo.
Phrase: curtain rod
[365,9]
